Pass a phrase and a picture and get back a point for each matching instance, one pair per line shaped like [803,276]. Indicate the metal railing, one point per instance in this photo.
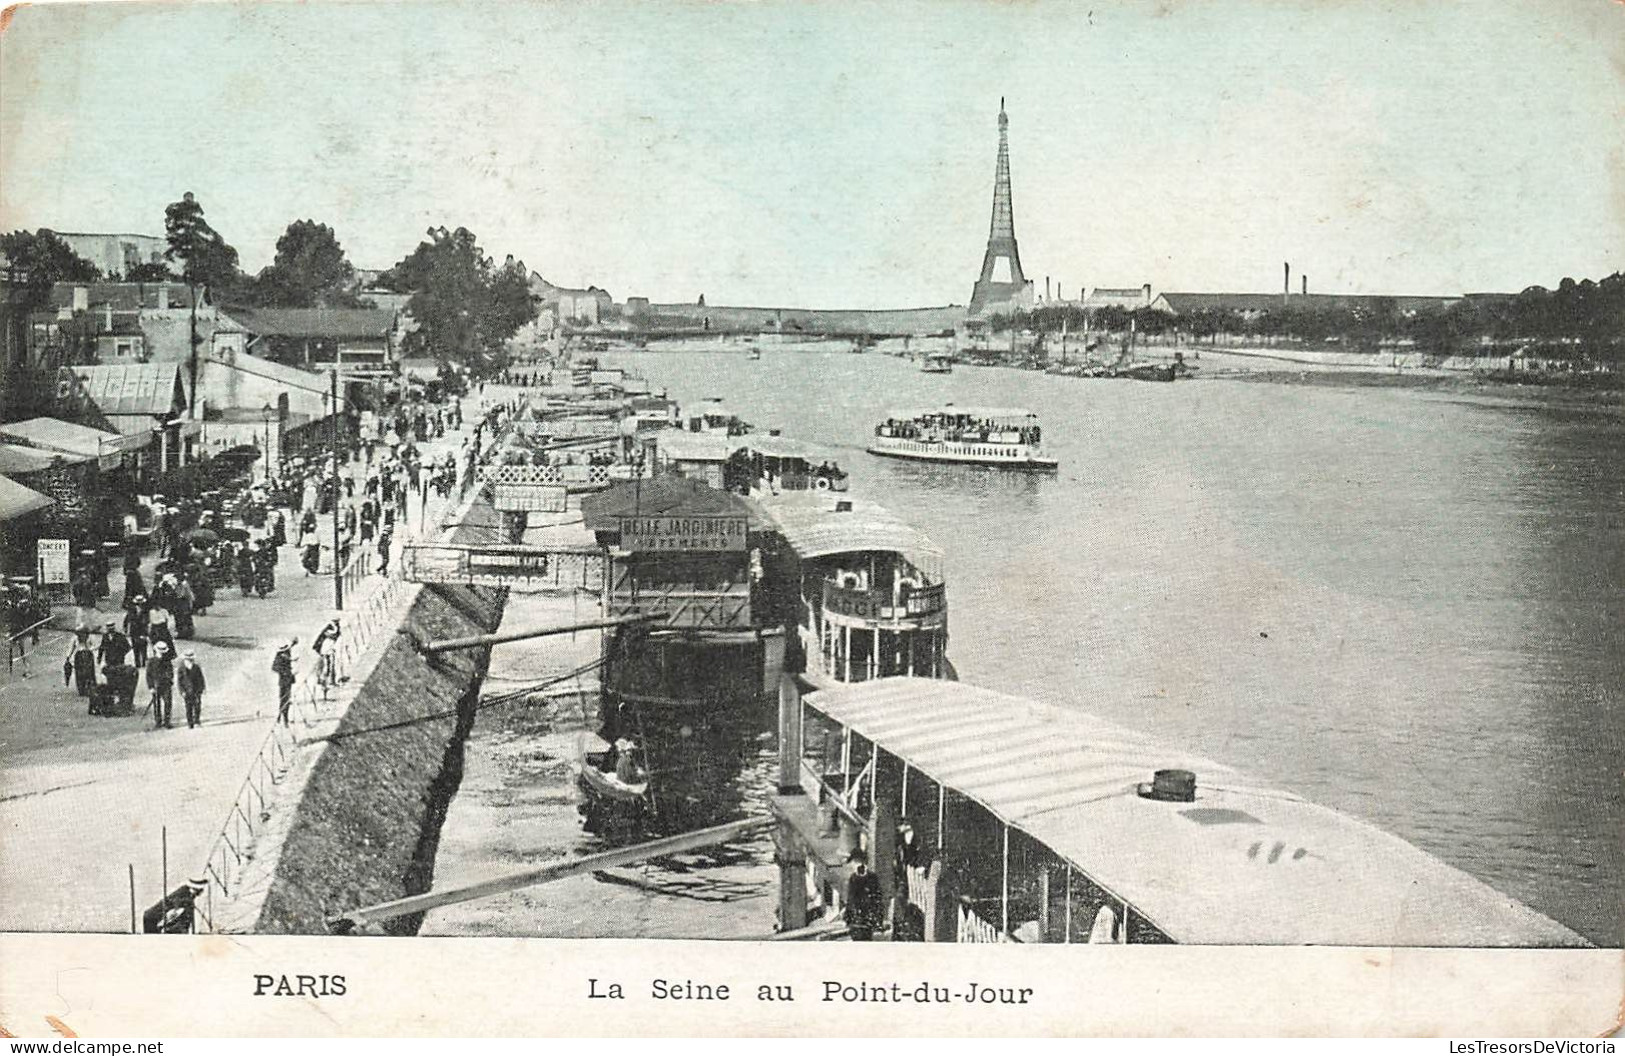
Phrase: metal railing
[312,702]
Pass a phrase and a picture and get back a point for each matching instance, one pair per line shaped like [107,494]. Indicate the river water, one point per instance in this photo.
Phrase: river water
[1402,603]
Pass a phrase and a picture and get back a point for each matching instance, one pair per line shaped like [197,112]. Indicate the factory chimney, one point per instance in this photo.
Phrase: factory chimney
[1286,283]
[1305,280]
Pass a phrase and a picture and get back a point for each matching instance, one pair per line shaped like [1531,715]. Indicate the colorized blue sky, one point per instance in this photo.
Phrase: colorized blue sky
[841,153]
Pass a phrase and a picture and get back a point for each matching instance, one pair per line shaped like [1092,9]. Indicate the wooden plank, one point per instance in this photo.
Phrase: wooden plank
[548,873]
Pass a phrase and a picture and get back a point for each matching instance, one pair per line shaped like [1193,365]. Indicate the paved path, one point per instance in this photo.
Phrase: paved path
[83,798]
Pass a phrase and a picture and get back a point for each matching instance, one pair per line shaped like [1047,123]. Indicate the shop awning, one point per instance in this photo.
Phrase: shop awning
[16,500]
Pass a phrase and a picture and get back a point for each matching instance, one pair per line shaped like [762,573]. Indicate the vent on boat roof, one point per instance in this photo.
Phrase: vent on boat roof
[843,505]
[1170,786]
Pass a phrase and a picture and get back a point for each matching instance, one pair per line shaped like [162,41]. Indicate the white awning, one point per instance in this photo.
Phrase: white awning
[1243,864]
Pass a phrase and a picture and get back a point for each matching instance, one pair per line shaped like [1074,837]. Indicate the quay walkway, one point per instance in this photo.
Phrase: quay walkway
[86,802]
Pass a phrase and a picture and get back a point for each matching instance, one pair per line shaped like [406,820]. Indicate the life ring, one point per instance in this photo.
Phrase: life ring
[820,483]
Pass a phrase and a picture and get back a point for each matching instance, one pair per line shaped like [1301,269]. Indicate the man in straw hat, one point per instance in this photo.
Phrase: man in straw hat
[189,679]
[161,680]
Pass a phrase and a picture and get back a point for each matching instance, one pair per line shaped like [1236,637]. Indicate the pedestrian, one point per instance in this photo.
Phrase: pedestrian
[202,580]
[282,664]
[135,627]
[121,682]
[265,568]
[158,626]
[279,529]
[84,595]
[326,648]
[189,680]
[245,570]
[133,583]
[161,681]
[113,648]
[383,552]
[863,908]
[79,669]
[182,608]
[312,545]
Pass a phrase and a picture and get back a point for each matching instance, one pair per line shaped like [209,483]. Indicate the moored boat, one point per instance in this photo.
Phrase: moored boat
[937,363]
[1008,437]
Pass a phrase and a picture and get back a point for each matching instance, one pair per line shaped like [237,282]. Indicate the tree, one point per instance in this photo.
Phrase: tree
[151,271]
[310,270]
[465,308]
[205,260]
[41,259]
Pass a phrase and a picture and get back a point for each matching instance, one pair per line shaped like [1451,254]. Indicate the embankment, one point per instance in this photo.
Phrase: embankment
[368,823]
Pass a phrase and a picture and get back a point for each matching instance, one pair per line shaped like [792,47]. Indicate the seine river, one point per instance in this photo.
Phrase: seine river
[1408,604]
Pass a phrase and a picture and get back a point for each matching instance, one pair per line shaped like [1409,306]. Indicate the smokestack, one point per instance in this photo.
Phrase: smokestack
[1046,287]
[1145,294]
[1286,283]
[1305,280]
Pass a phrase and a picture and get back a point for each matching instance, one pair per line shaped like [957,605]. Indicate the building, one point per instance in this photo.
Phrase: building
[1131,298]
[569,304]
[1251,306]
[116,322]
[361,343]
[116,255]
[1001,285]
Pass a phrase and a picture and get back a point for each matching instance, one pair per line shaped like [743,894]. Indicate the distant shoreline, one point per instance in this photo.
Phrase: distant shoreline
[1544,393]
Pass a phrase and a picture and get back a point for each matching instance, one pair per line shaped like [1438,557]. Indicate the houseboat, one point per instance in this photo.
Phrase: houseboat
[1011,820]
[1007,437]
[862,591]
[936,363]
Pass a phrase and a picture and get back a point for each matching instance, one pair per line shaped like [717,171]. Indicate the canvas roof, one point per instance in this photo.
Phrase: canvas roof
[1244,863]
[695,447]
[971,410]
[134,388]
[16,500]
[15,458]
[810,523]
[53,433]
[781,447]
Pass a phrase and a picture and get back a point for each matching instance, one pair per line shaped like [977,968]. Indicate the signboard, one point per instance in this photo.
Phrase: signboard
[664,534]
[53,561]
[537,498]
[559,568]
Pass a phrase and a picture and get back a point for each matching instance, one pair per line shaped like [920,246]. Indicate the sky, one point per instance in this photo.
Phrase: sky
[840,153]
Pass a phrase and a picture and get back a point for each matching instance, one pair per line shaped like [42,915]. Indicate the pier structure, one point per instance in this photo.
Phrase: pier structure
[991,818]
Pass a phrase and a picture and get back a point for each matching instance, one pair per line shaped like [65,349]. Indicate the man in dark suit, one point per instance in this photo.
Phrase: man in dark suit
[189,680]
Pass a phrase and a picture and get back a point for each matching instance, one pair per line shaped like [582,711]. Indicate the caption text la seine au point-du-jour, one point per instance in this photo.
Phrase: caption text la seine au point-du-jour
[827,990]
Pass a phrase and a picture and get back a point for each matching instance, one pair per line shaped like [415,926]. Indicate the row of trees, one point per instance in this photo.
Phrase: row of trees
[466,306]
[1584,319]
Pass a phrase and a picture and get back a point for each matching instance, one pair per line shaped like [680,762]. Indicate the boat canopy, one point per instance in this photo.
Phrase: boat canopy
[680,446]
[770,446]
[814,527]
[967,411]
[1242,864]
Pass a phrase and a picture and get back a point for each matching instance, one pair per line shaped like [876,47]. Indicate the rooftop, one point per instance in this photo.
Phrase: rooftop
[813,526]
[317,322]
[1244,863]
[134,388]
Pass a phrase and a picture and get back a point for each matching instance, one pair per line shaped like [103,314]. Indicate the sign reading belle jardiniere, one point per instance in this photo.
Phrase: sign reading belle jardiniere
[644,534]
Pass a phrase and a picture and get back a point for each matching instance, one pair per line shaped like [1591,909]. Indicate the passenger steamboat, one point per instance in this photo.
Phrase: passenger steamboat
[985,436]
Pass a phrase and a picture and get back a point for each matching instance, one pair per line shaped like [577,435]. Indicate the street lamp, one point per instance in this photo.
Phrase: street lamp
[266,414]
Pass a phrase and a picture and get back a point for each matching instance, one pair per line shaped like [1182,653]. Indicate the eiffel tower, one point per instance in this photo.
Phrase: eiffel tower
[1002,281]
